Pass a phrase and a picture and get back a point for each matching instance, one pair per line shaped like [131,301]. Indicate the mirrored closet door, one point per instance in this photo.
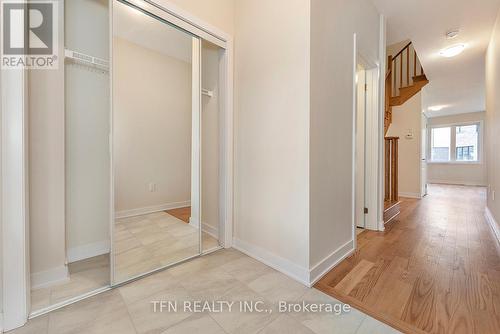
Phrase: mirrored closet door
[156,143]
[70,159]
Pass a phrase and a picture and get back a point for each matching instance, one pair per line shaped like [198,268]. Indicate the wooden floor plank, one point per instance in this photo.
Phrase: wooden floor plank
[435,268]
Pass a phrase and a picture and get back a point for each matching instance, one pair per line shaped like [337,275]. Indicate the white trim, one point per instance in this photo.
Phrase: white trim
[324,266]
[493,223]
[292,270]
[1,322]
[353,139]
[371,149]
[89,250]
[381,116]
[50,277]
[455,162]
[227,193]
[457,183]
[161,10]
[151,209]
[381,226]
[14,215]
[410,195]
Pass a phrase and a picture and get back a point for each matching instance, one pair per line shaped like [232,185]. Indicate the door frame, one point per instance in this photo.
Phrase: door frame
[15,187]
[360,151]
[373,135]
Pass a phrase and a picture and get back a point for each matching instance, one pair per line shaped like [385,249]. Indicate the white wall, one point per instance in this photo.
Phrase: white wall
[333,24]
[458,173]
[493,121]
[271,212]
[152,128]
[405,118]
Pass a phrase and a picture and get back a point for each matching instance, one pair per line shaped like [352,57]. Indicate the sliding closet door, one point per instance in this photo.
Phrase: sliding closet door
[156,143]
[69,125]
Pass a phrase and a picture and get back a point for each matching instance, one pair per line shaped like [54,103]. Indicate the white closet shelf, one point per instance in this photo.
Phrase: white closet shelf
[85,59]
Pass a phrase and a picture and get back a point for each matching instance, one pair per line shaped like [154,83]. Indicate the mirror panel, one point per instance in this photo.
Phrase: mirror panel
[70,162]
[155,143]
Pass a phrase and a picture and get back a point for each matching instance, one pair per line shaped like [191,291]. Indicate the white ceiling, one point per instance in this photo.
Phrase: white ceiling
[141,29]
[456,83]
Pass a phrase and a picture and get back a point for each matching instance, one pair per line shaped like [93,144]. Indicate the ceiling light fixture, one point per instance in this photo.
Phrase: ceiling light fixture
[436,108]
[452,34]
[452,51]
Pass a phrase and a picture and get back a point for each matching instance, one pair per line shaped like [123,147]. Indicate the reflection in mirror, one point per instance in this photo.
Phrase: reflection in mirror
[70,162]
[211,145]
[155,136]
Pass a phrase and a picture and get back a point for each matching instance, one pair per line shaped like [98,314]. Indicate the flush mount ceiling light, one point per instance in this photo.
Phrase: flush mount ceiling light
[452,34]
[452,51]
[436,108]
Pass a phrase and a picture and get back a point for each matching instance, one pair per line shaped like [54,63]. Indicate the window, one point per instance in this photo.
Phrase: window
[441,144]
[455,143]
[467,138]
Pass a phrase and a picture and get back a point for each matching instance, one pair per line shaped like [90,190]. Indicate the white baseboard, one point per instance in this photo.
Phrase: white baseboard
[44,279]
[151,209]
[88,251]
[282,265]
[493,223]
[457,183]
[210,230]
[1,322]
[324,266]
[410,195]
[381,226]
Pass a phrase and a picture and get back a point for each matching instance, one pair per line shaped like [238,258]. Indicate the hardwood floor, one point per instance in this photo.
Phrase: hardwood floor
[181,213]
[435,269]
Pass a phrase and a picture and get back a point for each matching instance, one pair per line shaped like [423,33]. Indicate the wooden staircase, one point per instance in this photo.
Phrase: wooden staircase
[405,77]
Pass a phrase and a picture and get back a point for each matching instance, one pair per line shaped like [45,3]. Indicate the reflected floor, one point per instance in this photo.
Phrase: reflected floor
[84,276]
[148,242]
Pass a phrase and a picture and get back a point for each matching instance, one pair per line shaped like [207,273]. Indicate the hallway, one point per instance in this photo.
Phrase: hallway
[435,269]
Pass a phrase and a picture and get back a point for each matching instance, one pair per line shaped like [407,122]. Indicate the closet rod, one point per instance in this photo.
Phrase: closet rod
[207,92]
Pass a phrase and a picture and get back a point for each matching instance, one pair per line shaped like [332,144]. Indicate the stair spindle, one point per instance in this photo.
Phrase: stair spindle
[400,72]
[414,62]
[408,67]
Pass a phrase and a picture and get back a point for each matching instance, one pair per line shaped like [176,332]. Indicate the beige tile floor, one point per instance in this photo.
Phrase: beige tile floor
[223,275]
[147,242]
[84,276]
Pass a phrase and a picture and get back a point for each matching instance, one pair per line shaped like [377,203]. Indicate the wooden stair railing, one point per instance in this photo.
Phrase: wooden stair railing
[391,169]
[391,196]
[405,77]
